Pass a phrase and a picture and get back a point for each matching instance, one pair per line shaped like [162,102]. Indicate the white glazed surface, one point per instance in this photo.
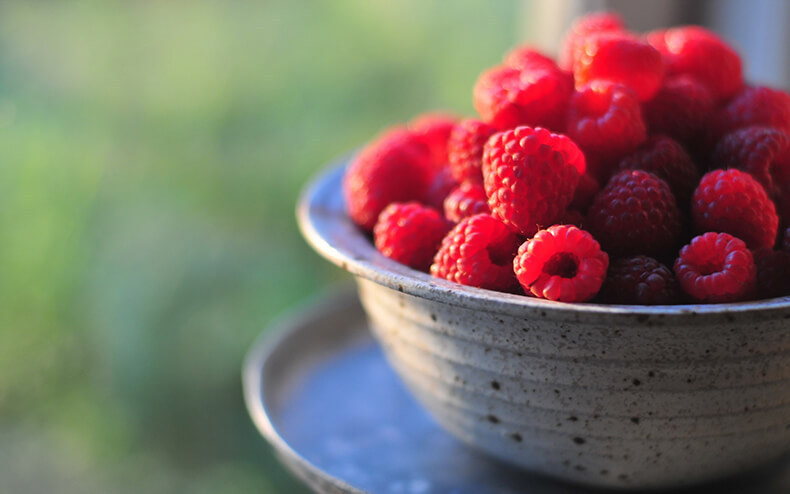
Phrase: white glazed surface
[618,396]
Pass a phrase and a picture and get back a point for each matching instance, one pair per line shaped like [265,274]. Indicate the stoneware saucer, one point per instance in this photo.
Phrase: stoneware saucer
[320,391]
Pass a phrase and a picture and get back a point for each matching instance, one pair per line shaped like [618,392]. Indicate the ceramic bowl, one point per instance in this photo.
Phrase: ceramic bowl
[617,396]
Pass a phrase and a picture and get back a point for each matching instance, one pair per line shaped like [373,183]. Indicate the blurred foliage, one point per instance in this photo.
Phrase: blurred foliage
[150,157]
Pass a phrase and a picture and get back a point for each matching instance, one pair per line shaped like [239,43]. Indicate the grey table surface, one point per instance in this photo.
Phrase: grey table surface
[321,392]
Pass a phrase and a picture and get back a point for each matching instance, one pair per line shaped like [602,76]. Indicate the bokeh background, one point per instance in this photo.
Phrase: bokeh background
[150,157]
[151,153]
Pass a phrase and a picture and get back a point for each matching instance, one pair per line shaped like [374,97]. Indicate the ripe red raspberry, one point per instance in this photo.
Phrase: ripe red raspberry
[754,105]
[681,109]
[732,201]
[585,192]
[465,149]
[528,58]
[506,97]
[667,160]
[763,152]
[530,176]
[695,51]
[621,58]
[585,26]
[395,167]
[639,280]
[773,273]
[468,199]
[605,120]
[561,263]
[440,187]
[716,267]
[634,214]
[478,252]
[433,130]
[410,234]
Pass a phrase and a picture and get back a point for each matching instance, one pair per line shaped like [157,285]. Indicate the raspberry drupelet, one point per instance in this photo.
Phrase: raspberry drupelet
[530,176]
[715,268]
[410,234]
[478,252]
[732,201]
[639,280]
[562,263]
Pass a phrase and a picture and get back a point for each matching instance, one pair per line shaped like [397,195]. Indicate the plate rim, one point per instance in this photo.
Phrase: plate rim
[264,349]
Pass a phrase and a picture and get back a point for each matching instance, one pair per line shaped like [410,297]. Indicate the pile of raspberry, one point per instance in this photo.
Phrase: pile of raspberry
[636,169]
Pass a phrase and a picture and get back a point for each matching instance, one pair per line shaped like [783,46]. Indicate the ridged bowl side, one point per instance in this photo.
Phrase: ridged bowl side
[612,405]
[620,396]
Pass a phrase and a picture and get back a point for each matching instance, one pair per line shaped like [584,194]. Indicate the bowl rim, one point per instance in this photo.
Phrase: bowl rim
[322,218]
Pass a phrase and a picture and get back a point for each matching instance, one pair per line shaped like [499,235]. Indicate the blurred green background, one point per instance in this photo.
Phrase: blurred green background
[151,154]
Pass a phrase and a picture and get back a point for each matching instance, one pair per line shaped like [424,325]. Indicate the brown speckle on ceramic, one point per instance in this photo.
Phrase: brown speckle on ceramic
[651,396]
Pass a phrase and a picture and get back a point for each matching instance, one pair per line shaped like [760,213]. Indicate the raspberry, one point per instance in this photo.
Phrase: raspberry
[528,58]
[605,120]
[478,252]
[410,234]
[702,54]
[506,97]
[634,214]
[465,149]
[588,25]
[530,176]
[732,201]
[585,192]
[620,58]
[716,267]
[763,152]
[561,263]
[667,160]
[773,273]
[758,105]
[681,109]
[393,168]
[440,187]
[639,280]
[468,199]
[433,130]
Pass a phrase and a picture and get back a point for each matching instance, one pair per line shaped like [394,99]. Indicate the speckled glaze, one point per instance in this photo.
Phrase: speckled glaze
[617,396]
